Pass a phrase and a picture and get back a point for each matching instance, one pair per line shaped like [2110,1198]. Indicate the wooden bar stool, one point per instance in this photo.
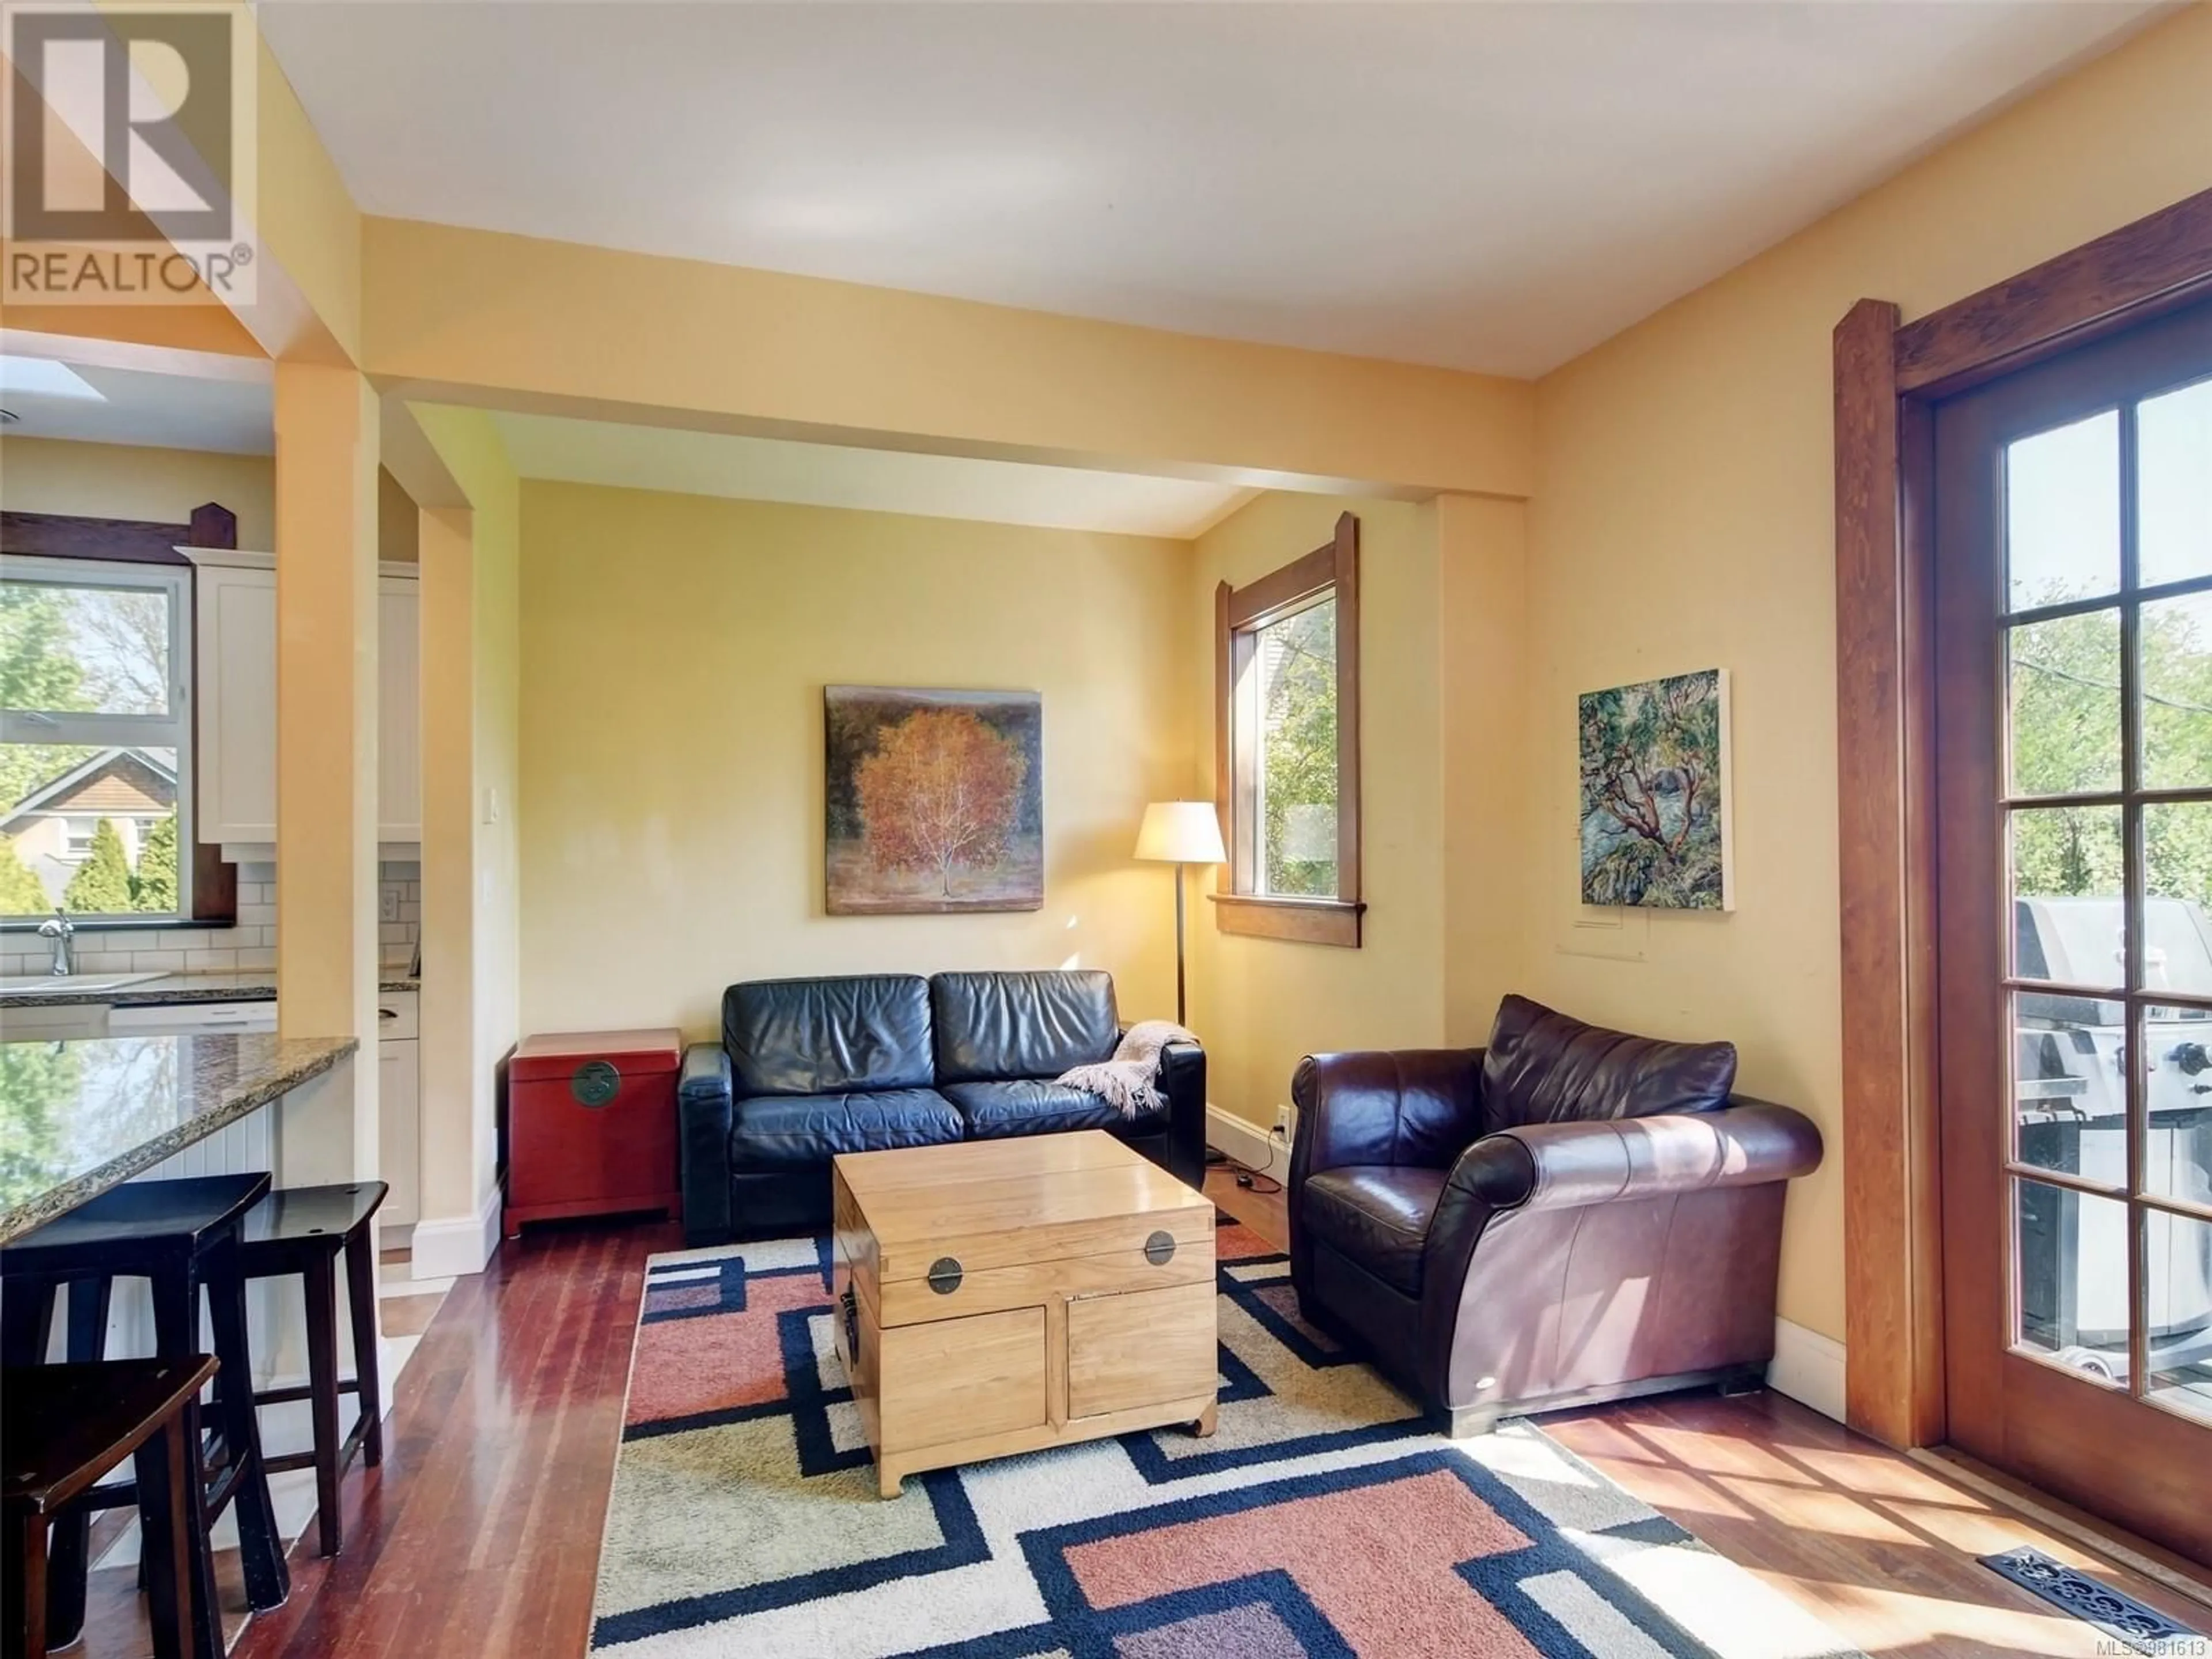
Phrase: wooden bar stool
[62,1427]
[183,1236]
[303,1231]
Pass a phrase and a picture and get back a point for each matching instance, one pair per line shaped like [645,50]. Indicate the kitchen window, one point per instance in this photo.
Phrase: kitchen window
[95,743]
[1287,747]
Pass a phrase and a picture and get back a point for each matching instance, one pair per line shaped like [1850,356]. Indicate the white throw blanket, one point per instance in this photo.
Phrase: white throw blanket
[1127,1081]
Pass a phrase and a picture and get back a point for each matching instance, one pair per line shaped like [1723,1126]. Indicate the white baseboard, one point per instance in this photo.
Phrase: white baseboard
[1808,1367]
[448,1247]
[1247,1142]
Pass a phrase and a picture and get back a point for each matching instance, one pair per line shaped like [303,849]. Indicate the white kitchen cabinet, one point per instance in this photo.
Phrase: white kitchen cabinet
[234,647]
[399,1107]
[236,643]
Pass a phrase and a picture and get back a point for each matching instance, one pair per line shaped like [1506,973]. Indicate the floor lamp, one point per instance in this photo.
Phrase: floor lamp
[1181,832]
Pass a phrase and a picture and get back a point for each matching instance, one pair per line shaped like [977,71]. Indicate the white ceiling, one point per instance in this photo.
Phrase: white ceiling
[173,411]
[884,481]
[1494,186]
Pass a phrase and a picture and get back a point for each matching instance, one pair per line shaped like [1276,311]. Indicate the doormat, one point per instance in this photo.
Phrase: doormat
[2145,1630]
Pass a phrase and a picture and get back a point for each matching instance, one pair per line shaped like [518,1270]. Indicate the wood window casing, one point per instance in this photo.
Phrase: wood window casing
[1331,569]
[1888,377]
[137,541]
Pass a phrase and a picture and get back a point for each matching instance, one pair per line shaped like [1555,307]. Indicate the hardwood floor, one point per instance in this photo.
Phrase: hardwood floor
[480,1536]
[1879,1547]
[481,1533]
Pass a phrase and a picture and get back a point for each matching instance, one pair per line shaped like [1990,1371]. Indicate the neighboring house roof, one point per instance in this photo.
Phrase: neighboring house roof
[118,782]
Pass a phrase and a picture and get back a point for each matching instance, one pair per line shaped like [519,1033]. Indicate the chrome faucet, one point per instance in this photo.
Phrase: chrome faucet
[59,929]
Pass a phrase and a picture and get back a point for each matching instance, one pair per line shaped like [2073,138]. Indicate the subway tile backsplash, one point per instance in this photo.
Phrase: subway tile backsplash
[249,947]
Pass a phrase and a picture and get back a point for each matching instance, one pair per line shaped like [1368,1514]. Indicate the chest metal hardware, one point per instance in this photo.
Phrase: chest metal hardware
[595,1083]
[944,1275]
[1159,1248]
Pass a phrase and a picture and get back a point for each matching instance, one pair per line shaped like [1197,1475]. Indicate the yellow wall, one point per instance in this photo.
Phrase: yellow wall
[1259,1004]
[472,875]
[1483,690]
[124,481]
[1683,519]
[674,651]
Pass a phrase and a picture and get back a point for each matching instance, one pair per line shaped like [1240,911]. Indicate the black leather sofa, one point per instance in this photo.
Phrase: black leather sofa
[808,1068]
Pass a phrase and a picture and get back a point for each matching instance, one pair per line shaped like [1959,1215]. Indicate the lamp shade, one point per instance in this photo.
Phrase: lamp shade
[1181,832]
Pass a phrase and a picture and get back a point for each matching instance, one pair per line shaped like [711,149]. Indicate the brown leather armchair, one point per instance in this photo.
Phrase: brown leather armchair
[1570,1215]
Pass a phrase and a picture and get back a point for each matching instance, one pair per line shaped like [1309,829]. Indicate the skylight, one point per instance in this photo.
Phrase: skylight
[44,377]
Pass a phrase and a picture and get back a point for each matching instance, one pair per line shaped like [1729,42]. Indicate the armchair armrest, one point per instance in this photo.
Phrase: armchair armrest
[1504,1225]
[704,1102]
[1564,1166]
[1181,1078]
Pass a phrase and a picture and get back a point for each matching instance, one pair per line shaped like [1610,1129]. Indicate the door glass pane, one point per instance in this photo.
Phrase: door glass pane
[1296,660]
[2069,922]
[84,650]
[2173,468]
[2062,512]
[2069,1086]
[2065,685]
[2177,1143]
[2073,1256]
[2180,1284]
[2176,692]
[2178,879]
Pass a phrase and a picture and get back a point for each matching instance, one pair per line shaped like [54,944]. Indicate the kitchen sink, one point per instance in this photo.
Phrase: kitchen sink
[19,985]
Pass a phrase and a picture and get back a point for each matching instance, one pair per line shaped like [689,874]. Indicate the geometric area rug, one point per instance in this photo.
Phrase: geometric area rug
[1325,1516]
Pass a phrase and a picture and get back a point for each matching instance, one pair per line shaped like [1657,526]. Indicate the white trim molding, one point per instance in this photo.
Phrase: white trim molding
[1808,1367]
[446,1247]
[1247,1142]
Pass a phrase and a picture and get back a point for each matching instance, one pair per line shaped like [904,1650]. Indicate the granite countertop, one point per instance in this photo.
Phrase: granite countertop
[77,1117]
[244,986]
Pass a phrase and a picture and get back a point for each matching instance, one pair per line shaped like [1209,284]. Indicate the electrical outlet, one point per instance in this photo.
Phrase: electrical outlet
[1285,1124]
[387,903]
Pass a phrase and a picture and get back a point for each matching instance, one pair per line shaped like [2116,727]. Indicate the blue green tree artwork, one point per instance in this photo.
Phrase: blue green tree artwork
[1655,793]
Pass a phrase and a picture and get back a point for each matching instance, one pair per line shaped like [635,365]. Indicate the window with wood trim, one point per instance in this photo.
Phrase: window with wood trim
[1287,747]
[98,722]
[95,733]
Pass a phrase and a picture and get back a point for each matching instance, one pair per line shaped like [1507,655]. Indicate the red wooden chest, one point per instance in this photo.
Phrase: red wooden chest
[591,1125]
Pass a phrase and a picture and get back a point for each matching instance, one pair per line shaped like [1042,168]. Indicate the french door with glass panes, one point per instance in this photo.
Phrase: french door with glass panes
[2073,664]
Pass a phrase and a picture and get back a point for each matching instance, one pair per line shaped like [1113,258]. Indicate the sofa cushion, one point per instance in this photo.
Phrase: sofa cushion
[1034,1106]
[821,1036]
[1376,1215]
[1544,1068]
[992,1028]
[773,1130]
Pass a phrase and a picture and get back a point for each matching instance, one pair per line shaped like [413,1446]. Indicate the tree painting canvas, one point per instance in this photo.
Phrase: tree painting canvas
[935,800]
[1655,794]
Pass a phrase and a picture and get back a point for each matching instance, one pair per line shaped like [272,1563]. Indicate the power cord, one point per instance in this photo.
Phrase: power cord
[1251,1180]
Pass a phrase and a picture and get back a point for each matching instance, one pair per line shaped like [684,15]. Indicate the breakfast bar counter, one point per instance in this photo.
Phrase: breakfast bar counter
[79,1117]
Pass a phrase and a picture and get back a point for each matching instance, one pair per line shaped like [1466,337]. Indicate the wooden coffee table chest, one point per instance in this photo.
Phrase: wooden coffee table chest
[1003,1296]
